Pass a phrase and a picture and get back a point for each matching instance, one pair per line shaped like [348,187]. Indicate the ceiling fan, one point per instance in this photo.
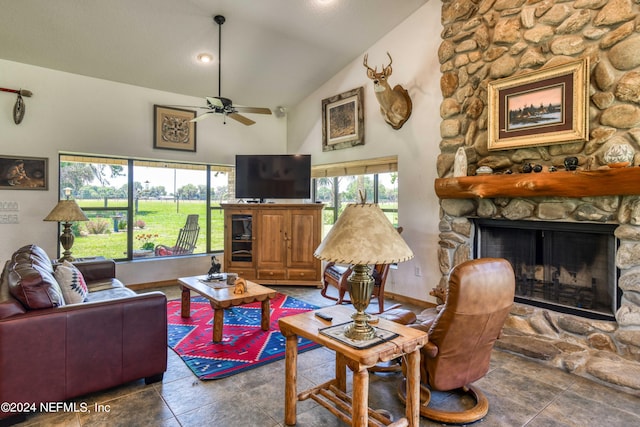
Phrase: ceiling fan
[221,105]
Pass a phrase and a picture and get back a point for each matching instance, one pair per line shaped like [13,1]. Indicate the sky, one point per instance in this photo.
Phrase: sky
[545,97]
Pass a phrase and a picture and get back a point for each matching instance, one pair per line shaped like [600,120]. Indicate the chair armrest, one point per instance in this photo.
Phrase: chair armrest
[97,270]
[430,350]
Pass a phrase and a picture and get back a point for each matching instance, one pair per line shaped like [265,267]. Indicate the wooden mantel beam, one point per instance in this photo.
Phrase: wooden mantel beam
[601,182]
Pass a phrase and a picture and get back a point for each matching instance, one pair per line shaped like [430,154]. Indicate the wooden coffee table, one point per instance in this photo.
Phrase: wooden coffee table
[224,297]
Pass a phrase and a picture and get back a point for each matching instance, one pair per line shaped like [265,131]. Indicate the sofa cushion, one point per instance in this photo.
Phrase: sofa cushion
[72,283]
[4,283]
[110,294]
[31,279]
[35,255]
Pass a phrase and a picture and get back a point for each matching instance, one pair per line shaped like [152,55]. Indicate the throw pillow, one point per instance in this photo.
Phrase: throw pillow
[72,283]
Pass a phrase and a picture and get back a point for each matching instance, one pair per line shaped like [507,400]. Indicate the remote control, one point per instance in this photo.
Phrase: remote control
[324,316]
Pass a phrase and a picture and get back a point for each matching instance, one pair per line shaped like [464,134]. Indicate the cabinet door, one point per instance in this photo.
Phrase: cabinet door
[272,237]
[239,239]
[304,238]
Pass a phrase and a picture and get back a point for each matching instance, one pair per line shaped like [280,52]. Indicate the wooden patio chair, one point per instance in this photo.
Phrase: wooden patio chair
[186,242]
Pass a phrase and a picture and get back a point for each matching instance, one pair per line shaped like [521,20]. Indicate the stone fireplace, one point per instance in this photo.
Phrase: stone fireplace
[561,266]
[485,40]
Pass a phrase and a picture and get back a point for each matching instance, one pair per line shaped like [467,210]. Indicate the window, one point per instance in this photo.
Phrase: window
[339,184]
[135,205]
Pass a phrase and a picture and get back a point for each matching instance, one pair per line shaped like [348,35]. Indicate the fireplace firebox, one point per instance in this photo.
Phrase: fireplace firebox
[566,267]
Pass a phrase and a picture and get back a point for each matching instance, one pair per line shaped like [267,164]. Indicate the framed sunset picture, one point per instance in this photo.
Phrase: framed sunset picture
[548,106]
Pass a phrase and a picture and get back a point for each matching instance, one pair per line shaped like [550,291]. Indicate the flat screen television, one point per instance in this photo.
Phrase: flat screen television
[273,176]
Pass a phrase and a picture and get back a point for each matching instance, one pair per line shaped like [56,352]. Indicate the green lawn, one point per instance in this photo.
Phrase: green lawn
[163,218]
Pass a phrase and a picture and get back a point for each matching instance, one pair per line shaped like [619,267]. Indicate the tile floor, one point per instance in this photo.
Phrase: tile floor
[520,392]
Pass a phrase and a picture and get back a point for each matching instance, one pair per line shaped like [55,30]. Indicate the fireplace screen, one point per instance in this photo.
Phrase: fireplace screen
[569,267]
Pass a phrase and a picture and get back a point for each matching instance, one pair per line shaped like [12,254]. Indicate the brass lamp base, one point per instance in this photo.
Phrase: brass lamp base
[360,284]
[66,240]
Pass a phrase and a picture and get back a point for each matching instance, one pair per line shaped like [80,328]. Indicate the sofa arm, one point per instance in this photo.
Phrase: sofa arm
[97,270]
[60,353]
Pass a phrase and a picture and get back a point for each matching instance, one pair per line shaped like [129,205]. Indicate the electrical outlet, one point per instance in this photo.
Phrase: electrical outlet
[418,271]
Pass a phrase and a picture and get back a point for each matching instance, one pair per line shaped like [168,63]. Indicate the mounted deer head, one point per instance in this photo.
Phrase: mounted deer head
[395,105]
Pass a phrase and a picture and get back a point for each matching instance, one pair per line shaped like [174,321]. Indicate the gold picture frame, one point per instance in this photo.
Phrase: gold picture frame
[173,129]
[544,107]
[24,173]
[343,120]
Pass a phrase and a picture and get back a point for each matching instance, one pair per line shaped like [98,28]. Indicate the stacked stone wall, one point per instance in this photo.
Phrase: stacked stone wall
[486,40]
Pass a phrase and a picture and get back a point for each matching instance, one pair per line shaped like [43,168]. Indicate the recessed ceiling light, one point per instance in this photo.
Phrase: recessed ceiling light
[205,58]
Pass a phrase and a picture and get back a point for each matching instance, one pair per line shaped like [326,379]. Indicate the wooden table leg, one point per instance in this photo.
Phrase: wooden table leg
[413,388]
[185,305]
[341,373]
[266,315]
[360,417]
[218,321]
[290,375]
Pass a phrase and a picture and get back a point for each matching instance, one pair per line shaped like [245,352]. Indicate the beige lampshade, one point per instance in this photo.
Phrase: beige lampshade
[363,235]
[66,211]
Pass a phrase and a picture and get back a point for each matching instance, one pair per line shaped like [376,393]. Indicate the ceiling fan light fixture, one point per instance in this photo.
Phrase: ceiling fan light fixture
[205,58]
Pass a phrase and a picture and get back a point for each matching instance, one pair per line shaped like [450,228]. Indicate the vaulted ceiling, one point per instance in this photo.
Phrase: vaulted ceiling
[274,52]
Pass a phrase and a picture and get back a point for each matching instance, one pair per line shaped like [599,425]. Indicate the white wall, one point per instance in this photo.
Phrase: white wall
[72,113]
[413,46]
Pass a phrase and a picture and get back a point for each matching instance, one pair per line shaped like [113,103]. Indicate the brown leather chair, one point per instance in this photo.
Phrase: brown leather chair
[336,275]
[462,335]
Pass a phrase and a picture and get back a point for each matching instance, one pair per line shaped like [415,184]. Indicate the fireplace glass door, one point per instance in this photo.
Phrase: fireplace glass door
[569,267]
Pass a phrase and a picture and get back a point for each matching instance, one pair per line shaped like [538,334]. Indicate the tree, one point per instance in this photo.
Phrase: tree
[76,175]
[188,192]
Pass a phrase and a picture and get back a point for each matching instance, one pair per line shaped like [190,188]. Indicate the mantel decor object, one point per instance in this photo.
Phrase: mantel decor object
[362,236]
[66,212]
[544,107]
[619,155]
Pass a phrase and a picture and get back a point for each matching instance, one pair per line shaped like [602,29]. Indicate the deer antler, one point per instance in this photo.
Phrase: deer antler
[390,60]
[366,56]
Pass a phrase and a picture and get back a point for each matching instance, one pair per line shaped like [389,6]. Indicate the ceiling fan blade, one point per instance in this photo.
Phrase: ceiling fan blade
[216,102]
[200,107]
[202,116]
[254,110]
[242,119]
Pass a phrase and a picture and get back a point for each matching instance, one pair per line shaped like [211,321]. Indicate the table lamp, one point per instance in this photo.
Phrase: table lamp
[65,212]
[362,236]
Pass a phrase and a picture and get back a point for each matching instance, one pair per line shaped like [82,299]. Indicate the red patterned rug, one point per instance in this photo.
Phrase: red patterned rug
[244,344]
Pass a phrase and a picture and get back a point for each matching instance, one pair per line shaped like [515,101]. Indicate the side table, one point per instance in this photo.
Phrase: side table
[332,394]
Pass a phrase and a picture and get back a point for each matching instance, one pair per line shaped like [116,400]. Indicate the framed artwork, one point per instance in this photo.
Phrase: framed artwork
[23,173]
[545,107]
[343,120]
[173,129]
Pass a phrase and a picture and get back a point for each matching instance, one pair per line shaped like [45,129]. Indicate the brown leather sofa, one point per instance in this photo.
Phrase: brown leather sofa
[51,352]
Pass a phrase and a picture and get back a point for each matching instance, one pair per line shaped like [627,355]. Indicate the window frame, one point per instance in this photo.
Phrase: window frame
[130,163]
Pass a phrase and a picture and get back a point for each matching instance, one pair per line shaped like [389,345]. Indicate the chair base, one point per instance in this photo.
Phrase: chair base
[470,415]
[394,365]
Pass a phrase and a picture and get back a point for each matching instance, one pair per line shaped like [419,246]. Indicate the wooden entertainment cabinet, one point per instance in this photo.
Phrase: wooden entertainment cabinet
[271,243]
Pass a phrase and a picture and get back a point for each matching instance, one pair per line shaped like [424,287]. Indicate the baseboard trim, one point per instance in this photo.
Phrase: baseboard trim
[148,285]
[408,300]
